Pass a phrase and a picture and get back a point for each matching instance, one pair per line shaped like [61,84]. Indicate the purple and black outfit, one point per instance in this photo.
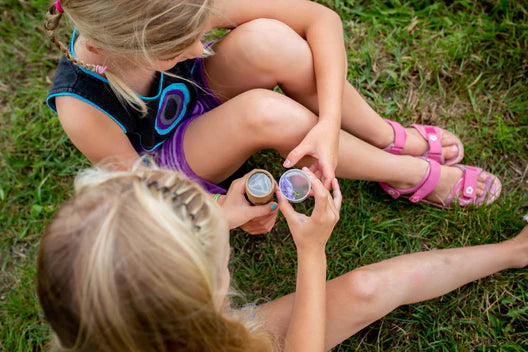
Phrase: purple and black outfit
[172,105]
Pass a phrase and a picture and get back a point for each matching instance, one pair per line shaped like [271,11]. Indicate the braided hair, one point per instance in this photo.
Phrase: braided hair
[130,263]
[133,29]
[53,17]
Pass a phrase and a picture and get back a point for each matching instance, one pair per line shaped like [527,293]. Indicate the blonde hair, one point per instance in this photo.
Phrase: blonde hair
[129,264]
[140,29]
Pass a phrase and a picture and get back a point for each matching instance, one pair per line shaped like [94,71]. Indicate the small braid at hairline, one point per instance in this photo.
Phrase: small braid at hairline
[51,23]
[123,92]
[184,198]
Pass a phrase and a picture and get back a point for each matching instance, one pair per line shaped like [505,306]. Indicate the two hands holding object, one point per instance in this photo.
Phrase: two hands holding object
[239,212]
[313,230]
[257,219]
[320,144]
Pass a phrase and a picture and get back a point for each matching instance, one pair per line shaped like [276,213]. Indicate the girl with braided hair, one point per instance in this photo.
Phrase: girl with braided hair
[138,261]
[135,80]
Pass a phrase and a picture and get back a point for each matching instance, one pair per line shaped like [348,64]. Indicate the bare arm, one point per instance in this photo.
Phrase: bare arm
[319,25]
[322,29]
[100,139]
[97,136]
[307,327]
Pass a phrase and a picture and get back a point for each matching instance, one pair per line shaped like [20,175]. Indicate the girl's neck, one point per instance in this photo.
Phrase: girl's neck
[138,78]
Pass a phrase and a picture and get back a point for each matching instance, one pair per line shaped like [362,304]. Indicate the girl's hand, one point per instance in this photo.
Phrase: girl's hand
[238,212]
[313,232]
[322,144]
[261,224]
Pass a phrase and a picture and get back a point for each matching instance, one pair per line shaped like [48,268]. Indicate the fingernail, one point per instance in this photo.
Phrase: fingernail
[273,206]
[454,148]
[287,163]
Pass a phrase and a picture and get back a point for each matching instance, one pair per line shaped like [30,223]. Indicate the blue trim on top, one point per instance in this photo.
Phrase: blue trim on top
[72,42]
[186,98]
[86,101]
[145,149]
[93,74]
[49,105]
[160,85]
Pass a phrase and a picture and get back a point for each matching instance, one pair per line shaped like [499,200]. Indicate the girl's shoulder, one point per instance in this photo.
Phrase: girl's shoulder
[86,86]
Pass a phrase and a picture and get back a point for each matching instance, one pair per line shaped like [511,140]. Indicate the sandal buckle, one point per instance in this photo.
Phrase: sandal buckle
[395,194]
[415,199]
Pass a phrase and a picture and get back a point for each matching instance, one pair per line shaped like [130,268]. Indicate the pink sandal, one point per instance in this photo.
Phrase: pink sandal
[465,190]
[433,136]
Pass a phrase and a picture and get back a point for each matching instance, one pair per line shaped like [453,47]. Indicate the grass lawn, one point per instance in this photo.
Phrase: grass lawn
[460,64]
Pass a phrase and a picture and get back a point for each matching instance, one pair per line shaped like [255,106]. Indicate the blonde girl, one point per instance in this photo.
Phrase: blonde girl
[135,80]
[138,261]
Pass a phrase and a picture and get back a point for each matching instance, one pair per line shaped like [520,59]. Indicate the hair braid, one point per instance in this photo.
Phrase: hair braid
[51,23]
[123,266]
[131,29]
[184,198]
[122,91]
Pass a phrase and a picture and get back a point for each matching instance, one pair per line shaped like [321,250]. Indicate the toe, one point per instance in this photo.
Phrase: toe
[448,138]
[481,187]
[450,151]
[452,148]
[488,185]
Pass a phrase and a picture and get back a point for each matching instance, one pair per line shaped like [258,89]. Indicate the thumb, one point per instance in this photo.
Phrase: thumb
[262,210]
[294,156]
[285,206]
[238,186]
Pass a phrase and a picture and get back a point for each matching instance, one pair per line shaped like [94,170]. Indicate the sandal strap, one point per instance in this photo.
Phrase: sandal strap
[422,189]
[433,136]
[465,191]
[428,183]
[400,136]
[470,181]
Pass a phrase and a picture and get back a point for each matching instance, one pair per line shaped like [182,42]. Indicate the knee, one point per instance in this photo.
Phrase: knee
[364,285]
[267,43]
[267,112]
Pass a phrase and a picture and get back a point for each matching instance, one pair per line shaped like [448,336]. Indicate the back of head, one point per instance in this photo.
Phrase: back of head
[129,264]
[136,28]
[132,29]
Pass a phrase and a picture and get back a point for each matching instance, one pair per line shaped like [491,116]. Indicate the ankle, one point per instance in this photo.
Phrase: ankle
[414,172]
[519,252]
[384,137]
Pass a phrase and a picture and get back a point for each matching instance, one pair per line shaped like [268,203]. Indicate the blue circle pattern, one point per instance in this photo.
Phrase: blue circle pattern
[174,94]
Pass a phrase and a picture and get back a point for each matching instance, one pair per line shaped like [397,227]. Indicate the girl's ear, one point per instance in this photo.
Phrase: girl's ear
[93,48]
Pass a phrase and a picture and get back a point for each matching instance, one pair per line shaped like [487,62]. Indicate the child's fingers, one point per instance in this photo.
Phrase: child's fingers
[294,156]
[285,206]
[336,194]
[257,211]
[320,193]
[315,170]
[238,186]
[261,225]
[328,175]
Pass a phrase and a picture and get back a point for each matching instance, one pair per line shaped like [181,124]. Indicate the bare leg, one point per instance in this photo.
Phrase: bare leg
[265,53]
[217,143]
[362,296]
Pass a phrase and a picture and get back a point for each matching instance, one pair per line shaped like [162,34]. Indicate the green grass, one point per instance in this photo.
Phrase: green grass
[460,64]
